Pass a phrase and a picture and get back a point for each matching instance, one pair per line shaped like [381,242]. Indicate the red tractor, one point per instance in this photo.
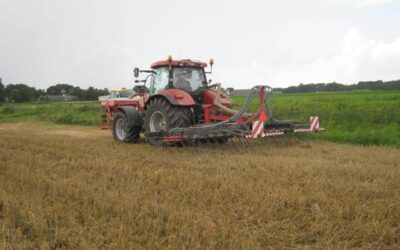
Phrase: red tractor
[181,107]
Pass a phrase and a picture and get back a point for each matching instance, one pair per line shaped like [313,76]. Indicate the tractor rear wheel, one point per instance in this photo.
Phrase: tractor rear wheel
[121,130]
[160,116]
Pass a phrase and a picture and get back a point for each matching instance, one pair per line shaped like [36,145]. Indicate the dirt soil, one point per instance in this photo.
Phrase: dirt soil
[74,187]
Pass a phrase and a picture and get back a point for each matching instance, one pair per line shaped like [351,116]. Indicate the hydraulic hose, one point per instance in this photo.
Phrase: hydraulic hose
[250,96]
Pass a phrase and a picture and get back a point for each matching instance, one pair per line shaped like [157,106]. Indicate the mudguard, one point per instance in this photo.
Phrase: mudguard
[175,97]
[210,95]
[132,114]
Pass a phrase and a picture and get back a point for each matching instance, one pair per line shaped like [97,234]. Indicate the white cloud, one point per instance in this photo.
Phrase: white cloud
[360,3]
[253,43]
[360,58]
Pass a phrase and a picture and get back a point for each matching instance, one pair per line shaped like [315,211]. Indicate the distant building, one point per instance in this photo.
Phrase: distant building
[239,92]
[60,98]
[104,97]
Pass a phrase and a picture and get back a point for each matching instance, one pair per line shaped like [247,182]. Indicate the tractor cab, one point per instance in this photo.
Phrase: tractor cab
[188,79]
[185,75]
[182,82]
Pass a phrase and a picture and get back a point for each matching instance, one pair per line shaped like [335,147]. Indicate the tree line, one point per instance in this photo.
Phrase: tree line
[89,94]
[322,87]
[24,93]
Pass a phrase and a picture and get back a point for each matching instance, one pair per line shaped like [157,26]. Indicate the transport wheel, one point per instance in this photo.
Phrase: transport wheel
[121,130]
[160,116]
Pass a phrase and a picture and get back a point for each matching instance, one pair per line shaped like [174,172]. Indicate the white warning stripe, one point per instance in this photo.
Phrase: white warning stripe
[272,133]
[306,130]
[266,134]
[302,130]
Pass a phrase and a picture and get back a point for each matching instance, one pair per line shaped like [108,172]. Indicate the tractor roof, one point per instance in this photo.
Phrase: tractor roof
[179,63]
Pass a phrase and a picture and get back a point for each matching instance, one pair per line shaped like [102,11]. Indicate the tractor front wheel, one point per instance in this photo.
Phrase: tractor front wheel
[121,130]
[161,116]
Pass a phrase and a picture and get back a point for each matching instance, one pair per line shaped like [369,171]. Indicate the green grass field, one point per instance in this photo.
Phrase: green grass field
[78,113]
[353,117]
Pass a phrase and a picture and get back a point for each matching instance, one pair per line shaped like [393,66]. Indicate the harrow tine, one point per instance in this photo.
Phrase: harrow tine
[187,145]
[193,147]
[240,141]
[235,148]
[197,143]
[260,143]
[194,144]
[232,142]
[247,142]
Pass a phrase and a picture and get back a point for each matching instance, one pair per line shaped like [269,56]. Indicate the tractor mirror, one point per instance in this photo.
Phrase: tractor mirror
[136,72]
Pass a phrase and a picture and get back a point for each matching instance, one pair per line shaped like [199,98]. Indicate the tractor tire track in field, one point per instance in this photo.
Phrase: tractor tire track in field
[74,187]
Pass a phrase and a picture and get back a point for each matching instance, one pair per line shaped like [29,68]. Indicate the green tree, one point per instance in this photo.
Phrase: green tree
[19,93]
[91,94]
[15,96]
[59,89]
[2,97]
[77,92]
[40,93]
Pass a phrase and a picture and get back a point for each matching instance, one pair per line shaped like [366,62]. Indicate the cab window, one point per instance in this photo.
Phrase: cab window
[160,80]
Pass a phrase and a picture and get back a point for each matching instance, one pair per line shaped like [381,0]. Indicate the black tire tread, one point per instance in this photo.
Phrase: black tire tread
[176,116]
[133,134]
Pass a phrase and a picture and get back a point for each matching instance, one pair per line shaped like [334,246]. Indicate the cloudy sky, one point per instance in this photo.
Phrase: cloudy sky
[280,43]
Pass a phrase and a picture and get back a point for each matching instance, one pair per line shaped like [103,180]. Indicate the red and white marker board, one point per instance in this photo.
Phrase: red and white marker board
[258,129]
[314,123]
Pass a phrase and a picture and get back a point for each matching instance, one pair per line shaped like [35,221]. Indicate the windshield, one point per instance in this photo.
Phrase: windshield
[121,93]
[189,79]
[126,93]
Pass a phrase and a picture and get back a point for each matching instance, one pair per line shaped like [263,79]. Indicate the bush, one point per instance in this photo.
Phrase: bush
[9,110]
[65,119]
[87,108]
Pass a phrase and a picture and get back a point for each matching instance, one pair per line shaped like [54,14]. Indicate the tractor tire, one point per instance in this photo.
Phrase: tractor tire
[122,132]
[160,115]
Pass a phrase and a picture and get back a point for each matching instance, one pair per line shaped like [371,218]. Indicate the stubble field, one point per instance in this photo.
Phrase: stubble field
[74,187]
